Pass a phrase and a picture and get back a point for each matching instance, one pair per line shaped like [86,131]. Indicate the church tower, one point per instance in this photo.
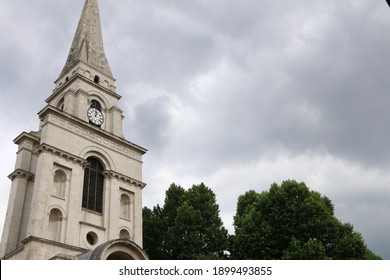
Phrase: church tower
[76,190]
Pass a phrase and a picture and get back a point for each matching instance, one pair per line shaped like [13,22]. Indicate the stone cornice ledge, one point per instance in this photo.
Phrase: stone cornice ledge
[21,174]
[121,177]
[60,153]
[13,253]
[51,242]
[33,136]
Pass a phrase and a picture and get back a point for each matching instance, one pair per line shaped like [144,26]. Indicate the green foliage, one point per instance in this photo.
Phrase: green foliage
[288,221]
[152,225]
[291,222]
[311,250]
[188,226]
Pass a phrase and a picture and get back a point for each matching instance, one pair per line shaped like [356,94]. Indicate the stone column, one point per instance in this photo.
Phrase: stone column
[13,218]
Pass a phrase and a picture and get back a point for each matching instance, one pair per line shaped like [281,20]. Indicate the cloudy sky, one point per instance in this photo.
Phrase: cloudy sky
[237,94]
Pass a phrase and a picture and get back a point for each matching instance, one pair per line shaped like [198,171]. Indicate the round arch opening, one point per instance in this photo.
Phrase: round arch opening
[119,256]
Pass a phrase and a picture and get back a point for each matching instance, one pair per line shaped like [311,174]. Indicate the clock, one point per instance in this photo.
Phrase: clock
[95,116]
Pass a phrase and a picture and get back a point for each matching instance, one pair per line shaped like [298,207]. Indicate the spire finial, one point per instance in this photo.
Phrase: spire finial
[87,45]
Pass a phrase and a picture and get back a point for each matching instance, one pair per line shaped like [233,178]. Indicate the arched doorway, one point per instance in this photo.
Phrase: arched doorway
[119,256]
[118,249]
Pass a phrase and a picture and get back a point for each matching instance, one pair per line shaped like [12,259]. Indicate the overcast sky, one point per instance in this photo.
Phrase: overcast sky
[237,94]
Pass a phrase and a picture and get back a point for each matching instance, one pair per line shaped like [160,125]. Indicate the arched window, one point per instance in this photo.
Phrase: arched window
[125,206]
[59,183]
[124,234]
[96,79]
[96,104]
[93,185]
[60,104]
[55,225]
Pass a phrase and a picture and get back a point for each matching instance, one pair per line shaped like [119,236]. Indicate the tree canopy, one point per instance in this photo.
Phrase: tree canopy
[291,222]
[188,226]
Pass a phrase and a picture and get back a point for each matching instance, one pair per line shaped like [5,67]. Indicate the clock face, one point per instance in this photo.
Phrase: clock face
[95,116]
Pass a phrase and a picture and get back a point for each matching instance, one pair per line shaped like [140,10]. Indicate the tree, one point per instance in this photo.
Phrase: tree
[188,226]
[313,249]
[291,222]
[152,225]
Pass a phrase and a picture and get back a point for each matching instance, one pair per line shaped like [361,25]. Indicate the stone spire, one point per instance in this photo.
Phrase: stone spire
[87,45]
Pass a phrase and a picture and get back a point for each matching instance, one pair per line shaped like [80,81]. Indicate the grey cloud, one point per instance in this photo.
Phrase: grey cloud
[150,124]
[345,79]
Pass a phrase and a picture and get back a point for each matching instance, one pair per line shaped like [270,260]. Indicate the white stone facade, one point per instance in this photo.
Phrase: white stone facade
[45,217]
